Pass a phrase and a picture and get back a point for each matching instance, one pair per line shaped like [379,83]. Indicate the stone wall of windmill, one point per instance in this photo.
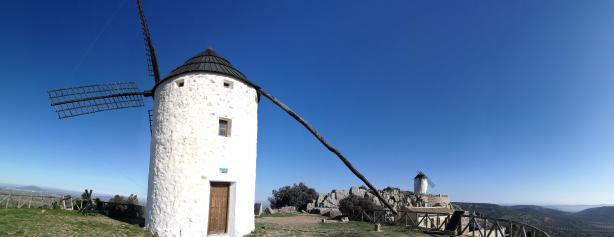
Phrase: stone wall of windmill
[188,154]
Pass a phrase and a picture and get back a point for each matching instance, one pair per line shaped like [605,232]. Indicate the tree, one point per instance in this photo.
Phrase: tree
[132,199]
[353,206]
[118,199]
[298,195]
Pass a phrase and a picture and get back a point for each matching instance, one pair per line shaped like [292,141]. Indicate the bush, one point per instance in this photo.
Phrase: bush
[298,195]
[125,208]
[353,207]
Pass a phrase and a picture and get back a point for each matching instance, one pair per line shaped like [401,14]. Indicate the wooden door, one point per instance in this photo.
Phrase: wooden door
[218,208]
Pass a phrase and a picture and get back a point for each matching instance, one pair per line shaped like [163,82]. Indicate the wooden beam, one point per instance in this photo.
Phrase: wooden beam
[328,146]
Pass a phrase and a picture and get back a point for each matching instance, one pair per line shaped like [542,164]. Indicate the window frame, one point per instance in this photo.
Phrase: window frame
[227,82]
[227,129]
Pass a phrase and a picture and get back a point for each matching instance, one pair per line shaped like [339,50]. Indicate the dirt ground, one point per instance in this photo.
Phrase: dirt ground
[299,219]
[311,225]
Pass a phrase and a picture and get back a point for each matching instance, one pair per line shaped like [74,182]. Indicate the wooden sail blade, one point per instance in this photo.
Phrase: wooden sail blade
[75,101]
[334,150]
[152,59]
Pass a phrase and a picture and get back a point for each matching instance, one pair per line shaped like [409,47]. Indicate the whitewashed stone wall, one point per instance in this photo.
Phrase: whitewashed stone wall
[187,154]
[420,185]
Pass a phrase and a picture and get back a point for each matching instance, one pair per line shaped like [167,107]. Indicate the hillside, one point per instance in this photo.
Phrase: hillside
[597,214]
[546,218]
[31,188]
[572,208]
[37,222]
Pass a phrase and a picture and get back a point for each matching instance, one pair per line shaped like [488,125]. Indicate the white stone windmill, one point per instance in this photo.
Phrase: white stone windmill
[421,183]
[203,146]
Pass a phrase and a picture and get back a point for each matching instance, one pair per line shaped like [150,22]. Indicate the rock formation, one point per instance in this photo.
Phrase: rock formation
[327,204]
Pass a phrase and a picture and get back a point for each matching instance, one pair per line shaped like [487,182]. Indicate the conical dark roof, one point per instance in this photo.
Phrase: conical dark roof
[421,175]
[209,61]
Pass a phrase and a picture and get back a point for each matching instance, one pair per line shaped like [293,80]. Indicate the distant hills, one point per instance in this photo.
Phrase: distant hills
[572,208]
[597,221]
[30,188]
[530,214]
[36,190]
[597,214]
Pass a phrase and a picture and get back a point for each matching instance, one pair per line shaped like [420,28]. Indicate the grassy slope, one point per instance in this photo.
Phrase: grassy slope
[35,222]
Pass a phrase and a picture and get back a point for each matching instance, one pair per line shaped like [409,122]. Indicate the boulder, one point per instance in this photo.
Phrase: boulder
[340,195]
[320,199]
[330,201]
[310,206]
[333,212]
[320,210]
[356,191]
[288,209]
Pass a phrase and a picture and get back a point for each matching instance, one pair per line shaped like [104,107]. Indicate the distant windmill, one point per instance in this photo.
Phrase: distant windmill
[203,150]
[421,183]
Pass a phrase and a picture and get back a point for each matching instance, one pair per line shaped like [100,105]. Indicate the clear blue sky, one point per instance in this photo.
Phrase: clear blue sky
[497,101]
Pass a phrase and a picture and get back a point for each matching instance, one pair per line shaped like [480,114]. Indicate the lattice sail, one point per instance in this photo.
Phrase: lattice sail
[152,60]
[74,101]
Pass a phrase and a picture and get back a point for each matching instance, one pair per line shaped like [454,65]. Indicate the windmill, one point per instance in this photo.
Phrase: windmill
[421,183]
[203,149]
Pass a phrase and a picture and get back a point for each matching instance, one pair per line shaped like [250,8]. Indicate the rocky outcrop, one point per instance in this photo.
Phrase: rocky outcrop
[328,203]
[288,209]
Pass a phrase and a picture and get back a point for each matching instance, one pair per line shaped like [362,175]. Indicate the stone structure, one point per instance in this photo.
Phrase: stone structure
[203,139]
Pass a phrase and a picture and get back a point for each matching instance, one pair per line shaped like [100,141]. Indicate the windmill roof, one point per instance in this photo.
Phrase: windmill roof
[420,176]
[209,61]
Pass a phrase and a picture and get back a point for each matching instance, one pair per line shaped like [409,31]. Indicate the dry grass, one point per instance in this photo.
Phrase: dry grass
[38,222]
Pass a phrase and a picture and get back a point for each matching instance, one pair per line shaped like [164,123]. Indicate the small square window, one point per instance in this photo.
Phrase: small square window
[228,84]
[180,83]
[224,127]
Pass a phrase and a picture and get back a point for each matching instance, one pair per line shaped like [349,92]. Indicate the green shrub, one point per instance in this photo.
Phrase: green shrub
[298,195]
[353,207]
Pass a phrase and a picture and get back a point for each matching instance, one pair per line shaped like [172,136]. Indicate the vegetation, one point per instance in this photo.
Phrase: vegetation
[39,222]
[118,199]
[298,195]
[123,209]
[353,206]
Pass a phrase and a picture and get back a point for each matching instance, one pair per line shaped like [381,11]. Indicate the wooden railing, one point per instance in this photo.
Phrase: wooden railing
[10,200]
[470,225]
